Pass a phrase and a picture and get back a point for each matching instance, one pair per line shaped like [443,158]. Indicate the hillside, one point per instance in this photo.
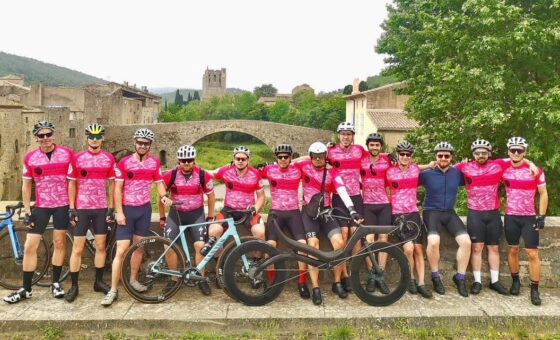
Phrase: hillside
[47,74]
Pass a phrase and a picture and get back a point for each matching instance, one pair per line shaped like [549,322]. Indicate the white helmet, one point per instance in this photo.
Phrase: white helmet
[346,126]
[186,152]
[517,141]
[444,146]
[481,143]
[145,133]
[242,149]
[317,147]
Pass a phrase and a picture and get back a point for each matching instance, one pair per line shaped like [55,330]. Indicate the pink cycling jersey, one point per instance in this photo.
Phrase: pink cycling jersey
[50,176]
[482,182]
[240,190]
[91,171]
[404,186]
[138,178]
[373,179]
[284,185]
[347,162]
[313,178]
[188,190]
[521,186]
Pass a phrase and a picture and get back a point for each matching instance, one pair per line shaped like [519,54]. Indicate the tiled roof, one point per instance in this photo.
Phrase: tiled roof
[392,120]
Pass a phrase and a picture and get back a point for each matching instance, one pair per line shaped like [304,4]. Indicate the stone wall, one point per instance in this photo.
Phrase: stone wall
[213,83]
[386,98]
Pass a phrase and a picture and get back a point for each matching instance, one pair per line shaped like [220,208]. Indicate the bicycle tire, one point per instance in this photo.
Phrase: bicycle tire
[46,280]
[396,275]
[12,271]
[245,289]
[152,247]
[222,259]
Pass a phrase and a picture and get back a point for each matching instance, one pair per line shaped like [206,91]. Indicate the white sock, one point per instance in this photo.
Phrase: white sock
[494,275]
[477,277]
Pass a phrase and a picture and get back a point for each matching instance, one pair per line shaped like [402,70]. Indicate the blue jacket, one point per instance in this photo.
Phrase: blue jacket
[441,188]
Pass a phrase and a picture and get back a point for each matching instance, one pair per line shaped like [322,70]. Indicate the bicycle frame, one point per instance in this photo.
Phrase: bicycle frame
[16,247]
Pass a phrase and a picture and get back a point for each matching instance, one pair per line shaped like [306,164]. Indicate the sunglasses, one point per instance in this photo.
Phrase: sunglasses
[517,151]
[481,153]
[241,159]
[95,137]
[318,157]
[145,144]
[186,160]
[405,154]
[284,157]
[44,135]
[443,156]
[372,170]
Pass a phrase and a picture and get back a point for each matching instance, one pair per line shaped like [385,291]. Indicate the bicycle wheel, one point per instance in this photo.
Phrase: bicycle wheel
[396,275]
[258,290]
[222,259]
[160,286]
[46,280]
[11,273]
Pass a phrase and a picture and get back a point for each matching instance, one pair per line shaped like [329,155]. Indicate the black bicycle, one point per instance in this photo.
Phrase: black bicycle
[255,286]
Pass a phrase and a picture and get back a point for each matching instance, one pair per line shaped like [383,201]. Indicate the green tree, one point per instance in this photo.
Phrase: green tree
[480,69]
[305,100]
[379,80]
[165,106]
[347,89]
[178,98]
[278,110]
[196,96]
[363,86]
[189,97]
[265,90]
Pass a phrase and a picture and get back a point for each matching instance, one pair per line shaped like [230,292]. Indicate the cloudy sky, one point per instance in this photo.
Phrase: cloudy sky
[170,43]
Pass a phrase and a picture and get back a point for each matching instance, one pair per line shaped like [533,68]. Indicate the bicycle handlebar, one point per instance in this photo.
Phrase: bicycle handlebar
[11,210]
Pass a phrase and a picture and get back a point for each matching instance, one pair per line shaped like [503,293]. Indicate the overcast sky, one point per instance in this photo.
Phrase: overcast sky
[170,43]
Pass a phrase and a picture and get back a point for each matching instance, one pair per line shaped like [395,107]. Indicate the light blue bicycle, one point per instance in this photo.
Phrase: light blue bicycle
[164,266]
[12,240]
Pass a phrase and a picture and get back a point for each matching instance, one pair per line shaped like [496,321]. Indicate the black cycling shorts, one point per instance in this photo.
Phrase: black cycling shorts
[485,226]
[91,218]
[138,219]
[517,226]
[358,202]
[41,217]
[438,221]
[409,234]
[175,218]
[329,227]
[287,220]
[377,214]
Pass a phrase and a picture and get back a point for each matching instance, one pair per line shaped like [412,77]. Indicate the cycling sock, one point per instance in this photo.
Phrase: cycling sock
[535,285]
[99,274]
[74,277]
[27,278]
[301,278]
[460,276]
[56,270]
[515,276]
[494,276]
[477,276]
[435,275]
[271,275]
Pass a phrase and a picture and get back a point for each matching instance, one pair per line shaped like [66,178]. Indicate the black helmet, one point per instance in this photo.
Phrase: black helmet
[375,137]
[283,148]
[42,125]
[404,146]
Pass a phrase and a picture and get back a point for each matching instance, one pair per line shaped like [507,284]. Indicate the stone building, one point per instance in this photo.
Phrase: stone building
[379,110]
[213,84]
[269,101]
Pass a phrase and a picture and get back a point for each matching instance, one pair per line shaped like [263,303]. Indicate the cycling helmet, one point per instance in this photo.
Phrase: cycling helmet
[283,148]
[444,146]
[186,152]
[346,126]
[95,129]
[404,146]
[145,133]
[481,143]
[375,137]
[242,149]
[317,147]
[517,141]
[42,125]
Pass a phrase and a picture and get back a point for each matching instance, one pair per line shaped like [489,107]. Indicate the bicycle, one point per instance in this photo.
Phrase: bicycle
[11,251]
[240,280]
[163,281]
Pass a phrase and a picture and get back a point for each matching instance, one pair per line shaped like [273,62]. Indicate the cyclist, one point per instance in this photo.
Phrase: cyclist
[520,215]
[442,185]
[134,177]
[94,170]
[284,182]
[402,181]
[314,174]
[346,158]
[186,184]
[49,166]
[242,183]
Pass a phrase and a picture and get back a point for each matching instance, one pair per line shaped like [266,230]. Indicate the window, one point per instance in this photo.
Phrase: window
[26,120]
[17,146]
[72,133]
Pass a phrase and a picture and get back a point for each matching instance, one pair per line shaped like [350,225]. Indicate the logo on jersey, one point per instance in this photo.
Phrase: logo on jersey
[273,183]
[38,171]
[129,174]
[83,173]
[469,180]
[395,184]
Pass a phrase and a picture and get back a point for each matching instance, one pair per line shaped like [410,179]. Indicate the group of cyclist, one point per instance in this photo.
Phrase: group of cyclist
[88,190]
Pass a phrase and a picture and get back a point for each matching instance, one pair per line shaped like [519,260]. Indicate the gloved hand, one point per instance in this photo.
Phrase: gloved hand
[539,223]
[252,210]
[110,215]
[73,216]
[162,222]
[354,214]
[28,220]
[210,218]
[330,145]
[393,159]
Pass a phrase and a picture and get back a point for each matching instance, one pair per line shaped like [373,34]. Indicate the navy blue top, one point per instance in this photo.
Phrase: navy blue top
[441,188]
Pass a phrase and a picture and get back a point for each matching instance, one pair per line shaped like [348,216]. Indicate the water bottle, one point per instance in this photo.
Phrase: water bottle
[208,246]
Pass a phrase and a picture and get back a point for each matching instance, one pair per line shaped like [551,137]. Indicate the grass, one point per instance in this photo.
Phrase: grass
[212,155]
[51,332]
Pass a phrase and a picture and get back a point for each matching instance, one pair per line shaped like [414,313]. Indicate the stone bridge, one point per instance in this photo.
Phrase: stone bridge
[169,136]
